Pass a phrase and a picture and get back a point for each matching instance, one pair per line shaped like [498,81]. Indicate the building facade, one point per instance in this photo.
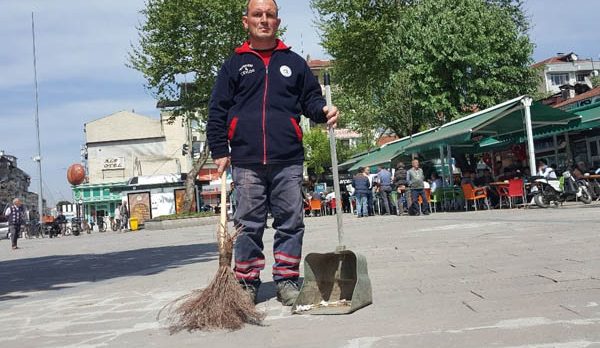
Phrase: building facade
[125,145]
[565,69]
[14,183]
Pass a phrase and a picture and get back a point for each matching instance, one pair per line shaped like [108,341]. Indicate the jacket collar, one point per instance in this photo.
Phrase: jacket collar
[245,48]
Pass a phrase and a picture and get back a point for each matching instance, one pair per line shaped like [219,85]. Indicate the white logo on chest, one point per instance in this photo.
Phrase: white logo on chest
[246,69]
[285,71]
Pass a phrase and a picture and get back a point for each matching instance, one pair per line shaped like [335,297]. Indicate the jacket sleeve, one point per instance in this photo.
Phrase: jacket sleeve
[312,100]
[221,101]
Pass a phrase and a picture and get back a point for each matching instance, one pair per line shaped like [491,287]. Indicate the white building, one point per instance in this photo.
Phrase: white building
[566,69]
[124,145]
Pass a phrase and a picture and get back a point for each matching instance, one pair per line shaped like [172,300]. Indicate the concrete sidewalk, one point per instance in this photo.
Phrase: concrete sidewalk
[510,278]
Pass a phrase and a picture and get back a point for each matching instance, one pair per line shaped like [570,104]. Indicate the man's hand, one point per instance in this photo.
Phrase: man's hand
[222,164]
[332,116]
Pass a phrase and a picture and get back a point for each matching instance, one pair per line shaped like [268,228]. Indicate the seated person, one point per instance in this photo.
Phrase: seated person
[467,178]
[545,171]
[436,182]
[579,170]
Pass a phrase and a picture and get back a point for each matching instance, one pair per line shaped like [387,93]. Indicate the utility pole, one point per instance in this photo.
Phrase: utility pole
[37,158]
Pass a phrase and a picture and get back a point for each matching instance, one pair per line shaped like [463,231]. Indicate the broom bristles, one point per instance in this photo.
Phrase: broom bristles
[224,304]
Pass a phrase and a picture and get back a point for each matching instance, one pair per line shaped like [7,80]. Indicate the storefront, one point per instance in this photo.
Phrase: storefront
[98,200]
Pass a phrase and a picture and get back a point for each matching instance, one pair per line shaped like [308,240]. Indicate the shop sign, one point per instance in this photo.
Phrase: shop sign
[114,163]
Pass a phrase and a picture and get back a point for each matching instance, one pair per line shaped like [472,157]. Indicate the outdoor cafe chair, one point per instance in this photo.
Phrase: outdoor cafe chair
[503,194]
[516,189]
[315,206]
[475,195]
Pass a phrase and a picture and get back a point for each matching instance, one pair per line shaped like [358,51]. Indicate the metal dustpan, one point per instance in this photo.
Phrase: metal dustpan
[337,282]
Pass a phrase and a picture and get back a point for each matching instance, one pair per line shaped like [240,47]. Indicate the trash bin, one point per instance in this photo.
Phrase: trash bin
[133,224]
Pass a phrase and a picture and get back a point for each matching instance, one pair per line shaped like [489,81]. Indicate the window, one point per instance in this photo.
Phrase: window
[559,79]
[581,77]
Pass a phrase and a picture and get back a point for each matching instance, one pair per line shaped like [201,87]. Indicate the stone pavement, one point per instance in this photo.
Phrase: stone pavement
[510,278]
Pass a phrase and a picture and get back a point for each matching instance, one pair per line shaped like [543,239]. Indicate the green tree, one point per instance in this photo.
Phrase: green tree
[424,62]
[317,152]
[182,44]
[595,80]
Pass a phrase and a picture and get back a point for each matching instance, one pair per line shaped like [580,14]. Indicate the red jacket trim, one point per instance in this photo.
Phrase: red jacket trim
[245,47]
[232,126]
[296,128]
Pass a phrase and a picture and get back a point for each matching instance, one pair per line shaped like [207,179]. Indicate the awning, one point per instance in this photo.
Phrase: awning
[352,161]
[590,119]
[386,154]
[496,122]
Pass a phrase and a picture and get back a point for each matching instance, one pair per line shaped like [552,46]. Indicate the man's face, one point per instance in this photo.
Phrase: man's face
[261,21]
[415,164]
[18,203]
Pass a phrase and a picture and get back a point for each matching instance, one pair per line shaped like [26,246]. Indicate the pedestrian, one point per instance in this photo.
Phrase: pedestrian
[373,186]
[362,187]
[400,185]
[416,182]
[253,122]
[124,212]
[15,215]
[232,197]
[385,188]
[117,217]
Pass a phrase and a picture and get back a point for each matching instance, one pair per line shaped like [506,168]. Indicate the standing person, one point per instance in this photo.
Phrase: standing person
[16,215]
[385,188]
[255,109]
[118,216]
[370,204]
[124,215]
[362,187]
[232,197]
[400,185]
[416,179]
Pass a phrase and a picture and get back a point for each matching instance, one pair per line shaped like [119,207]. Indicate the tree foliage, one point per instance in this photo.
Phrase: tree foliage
[182,44]
[415,64]
[318,154]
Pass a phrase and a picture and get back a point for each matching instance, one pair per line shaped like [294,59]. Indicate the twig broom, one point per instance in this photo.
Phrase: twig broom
[223,304]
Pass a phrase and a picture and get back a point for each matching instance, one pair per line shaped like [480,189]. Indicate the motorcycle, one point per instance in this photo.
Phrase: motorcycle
[549,192]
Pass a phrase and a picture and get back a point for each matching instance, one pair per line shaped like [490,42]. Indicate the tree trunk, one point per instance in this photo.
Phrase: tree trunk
[191,178]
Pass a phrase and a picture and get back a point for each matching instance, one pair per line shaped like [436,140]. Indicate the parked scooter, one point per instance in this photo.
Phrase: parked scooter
[549,192]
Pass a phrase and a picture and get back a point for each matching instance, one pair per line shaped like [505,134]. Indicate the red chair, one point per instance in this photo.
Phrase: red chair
[503,193]
[474,194]
[332,206]
[516,189]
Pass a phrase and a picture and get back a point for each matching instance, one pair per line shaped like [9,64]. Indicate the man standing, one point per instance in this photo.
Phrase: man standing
[362,187]
[124,212]
[15,214]
[254,110]
[400,184]
[416,179]
[385,188]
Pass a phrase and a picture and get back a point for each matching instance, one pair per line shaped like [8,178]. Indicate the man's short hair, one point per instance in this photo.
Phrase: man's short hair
[248,5]
[16,200]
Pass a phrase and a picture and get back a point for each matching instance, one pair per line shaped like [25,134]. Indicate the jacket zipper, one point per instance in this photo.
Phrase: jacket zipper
[264,114]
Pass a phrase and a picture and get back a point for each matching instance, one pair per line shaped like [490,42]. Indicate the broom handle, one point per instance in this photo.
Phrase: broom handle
[223,219]
[334,168]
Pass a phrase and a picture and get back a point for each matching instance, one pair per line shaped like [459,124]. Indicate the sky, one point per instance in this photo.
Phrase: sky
[82,49]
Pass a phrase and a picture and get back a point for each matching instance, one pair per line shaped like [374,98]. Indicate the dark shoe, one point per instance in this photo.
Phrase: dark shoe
[426,213]
[287,292]
[15,247]
[251,289]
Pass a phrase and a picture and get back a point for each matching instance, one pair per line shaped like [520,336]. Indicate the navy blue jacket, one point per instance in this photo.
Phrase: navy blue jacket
[361,184]
[255,110]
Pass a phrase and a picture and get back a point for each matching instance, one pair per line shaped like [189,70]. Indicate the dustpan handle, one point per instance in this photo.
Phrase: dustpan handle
[334,168]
